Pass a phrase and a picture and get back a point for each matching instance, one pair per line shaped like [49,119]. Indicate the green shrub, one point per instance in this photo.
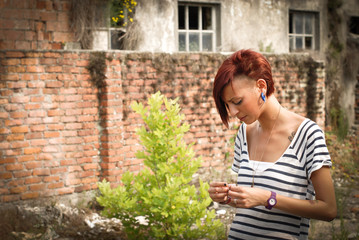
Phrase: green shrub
[161,192]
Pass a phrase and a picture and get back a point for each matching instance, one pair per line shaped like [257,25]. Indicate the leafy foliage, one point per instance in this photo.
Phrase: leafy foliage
[122,12]
[162,193]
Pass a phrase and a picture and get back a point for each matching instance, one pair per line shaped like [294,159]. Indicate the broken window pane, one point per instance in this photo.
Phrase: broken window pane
[354,25]
[117,39]
[181,17]
[298,42]
[193,17]
[308,24]
[194,42]
[291,45]
[290,22]
[207,42]
[182,42]
[308,42]
[298,21]
[206,18]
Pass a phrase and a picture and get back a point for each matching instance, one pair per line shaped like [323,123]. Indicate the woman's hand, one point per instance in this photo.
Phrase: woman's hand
[218,191]
[247,197]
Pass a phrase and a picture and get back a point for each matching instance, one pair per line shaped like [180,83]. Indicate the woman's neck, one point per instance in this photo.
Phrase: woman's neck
[270,114]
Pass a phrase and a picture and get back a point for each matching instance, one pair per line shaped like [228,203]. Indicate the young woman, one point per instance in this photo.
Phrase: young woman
[281,158]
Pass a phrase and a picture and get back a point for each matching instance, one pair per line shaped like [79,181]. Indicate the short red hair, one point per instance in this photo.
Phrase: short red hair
[243,62]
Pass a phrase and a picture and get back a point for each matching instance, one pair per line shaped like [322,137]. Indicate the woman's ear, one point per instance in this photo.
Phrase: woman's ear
[262,85]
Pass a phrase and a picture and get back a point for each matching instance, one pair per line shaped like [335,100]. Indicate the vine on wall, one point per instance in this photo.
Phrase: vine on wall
[87,15]
[336,116]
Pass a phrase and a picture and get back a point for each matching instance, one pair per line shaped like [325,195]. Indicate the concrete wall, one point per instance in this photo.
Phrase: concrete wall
[57,137]
[244,24]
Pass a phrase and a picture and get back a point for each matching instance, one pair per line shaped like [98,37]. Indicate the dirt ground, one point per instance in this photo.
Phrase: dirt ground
[61,222]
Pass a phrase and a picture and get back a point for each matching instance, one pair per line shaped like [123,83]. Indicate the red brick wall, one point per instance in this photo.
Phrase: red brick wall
[57,138]
[35,24]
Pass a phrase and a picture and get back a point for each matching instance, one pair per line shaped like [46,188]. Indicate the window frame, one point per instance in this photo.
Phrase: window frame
[315,35]
[200,31]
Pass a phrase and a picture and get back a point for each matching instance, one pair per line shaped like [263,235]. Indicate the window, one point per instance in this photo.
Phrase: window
[109,34]
[303,31]
[197,27]
[354,25]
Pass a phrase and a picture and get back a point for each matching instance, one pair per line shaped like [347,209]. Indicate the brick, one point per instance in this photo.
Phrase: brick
[41,172]
[36,135]
[30,195]
[18,114]
[33,180]
[74,168]
[19,189]
[38,187]
[7,160]
[73,126]
[5,175]
[58,170]
[54,84]
[20,129]
[89,180]
[32,106]
[37,99]
[50,149]
[68,119]
[51,134]
[10,62]
[35,69]
[38,142]
[74,181]
[22,45]
[80,189]
[10,198]
[30,61]
[45,156]
[33,165]
[90,166]
[55,127]
[26,158]
[32,150]
[51,69]
[20,144]
[86,174]
[15,54]
[22,174]
[63,191]
[16,182]
[15,137]
[34,121]
[51,179]
[11,77]
[19,99]
[4,191]
[37,128]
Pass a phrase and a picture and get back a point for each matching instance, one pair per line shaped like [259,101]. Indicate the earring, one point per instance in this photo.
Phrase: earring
[263,97]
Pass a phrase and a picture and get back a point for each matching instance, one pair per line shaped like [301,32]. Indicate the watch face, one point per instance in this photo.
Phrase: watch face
[272,201]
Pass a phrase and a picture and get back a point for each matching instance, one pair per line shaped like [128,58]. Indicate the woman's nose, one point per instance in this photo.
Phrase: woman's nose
[233,111]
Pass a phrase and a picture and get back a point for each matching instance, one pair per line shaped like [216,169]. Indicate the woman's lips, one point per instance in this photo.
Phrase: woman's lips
[242,118]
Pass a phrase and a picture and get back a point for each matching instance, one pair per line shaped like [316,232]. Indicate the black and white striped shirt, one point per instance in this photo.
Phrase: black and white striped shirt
[288,176]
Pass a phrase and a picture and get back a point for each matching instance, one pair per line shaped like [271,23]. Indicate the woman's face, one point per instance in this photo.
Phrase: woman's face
[242,98]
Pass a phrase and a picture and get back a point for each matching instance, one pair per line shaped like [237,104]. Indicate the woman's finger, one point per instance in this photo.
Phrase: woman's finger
[218,189]
[218,184]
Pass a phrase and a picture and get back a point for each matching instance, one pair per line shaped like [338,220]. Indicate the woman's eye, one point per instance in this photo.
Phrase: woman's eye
[237,103]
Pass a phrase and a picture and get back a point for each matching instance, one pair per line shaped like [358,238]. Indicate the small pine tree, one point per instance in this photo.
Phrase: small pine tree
[161,192]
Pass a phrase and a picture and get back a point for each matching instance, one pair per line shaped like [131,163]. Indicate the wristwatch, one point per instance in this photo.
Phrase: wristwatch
[272,200]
